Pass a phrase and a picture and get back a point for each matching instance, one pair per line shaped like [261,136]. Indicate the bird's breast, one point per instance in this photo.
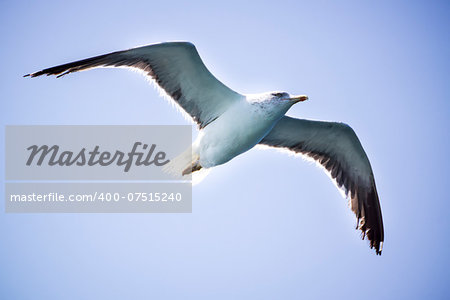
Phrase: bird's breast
[237,130]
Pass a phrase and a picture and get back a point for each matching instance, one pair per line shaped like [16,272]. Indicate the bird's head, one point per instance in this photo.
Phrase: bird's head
[284,98]
[275,103]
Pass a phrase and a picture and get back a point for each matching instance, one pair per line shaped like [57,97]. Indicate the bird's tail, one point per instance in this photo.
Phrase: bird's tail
[187,165]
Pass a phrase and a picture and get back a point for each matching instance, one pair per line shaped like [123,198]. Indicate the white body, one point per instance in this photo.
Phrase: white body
[237,130]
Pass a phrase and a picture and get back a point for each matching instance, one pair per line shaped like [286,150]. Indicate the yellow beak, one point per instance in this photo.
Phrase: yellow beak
[298,98]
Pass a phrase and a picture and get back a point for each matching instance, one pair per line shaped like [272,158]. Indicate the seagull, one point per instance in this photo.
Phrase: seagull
[231,123]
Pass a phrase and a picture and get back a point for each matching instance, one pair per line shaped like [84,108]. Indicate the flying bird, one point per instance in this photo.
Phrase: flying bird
[231,123]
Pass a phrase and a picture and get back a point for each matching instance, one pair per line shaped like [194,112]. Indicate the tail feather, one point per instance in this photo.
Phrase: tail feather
[187,165]
[178,165]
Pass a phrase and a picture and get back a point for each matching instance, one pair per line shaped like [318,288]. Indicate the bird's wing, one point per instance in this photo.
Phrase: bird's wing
[176,67]
[337,148]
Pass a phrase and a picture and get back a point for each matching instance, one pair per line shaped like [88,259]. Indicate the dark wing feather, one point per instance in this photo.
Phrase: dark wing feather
[176,67]
[337,148]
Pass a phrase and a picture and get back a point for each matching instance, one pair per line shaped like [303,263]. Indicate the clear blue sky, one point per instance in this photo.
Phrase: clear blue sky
[266,225]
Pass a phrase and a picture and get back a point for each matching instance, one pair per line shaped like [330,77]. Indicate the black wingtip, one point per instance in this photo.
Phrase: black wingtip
[38,73]
[378,251]
[32,75]
[374,244]
[379,248]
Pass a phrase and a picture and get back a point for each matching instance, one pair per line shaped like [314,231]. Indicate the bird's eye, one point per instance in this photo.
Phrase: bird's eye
[277,94]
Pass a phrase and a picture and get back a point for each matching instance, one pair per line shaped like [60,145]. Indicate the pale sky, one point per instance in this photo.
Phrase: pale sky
[265,225]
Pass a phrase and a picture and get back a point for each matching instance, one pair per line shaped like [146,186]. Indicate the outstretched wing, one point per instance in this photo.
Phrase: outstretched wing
[176,67]
[337,148]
